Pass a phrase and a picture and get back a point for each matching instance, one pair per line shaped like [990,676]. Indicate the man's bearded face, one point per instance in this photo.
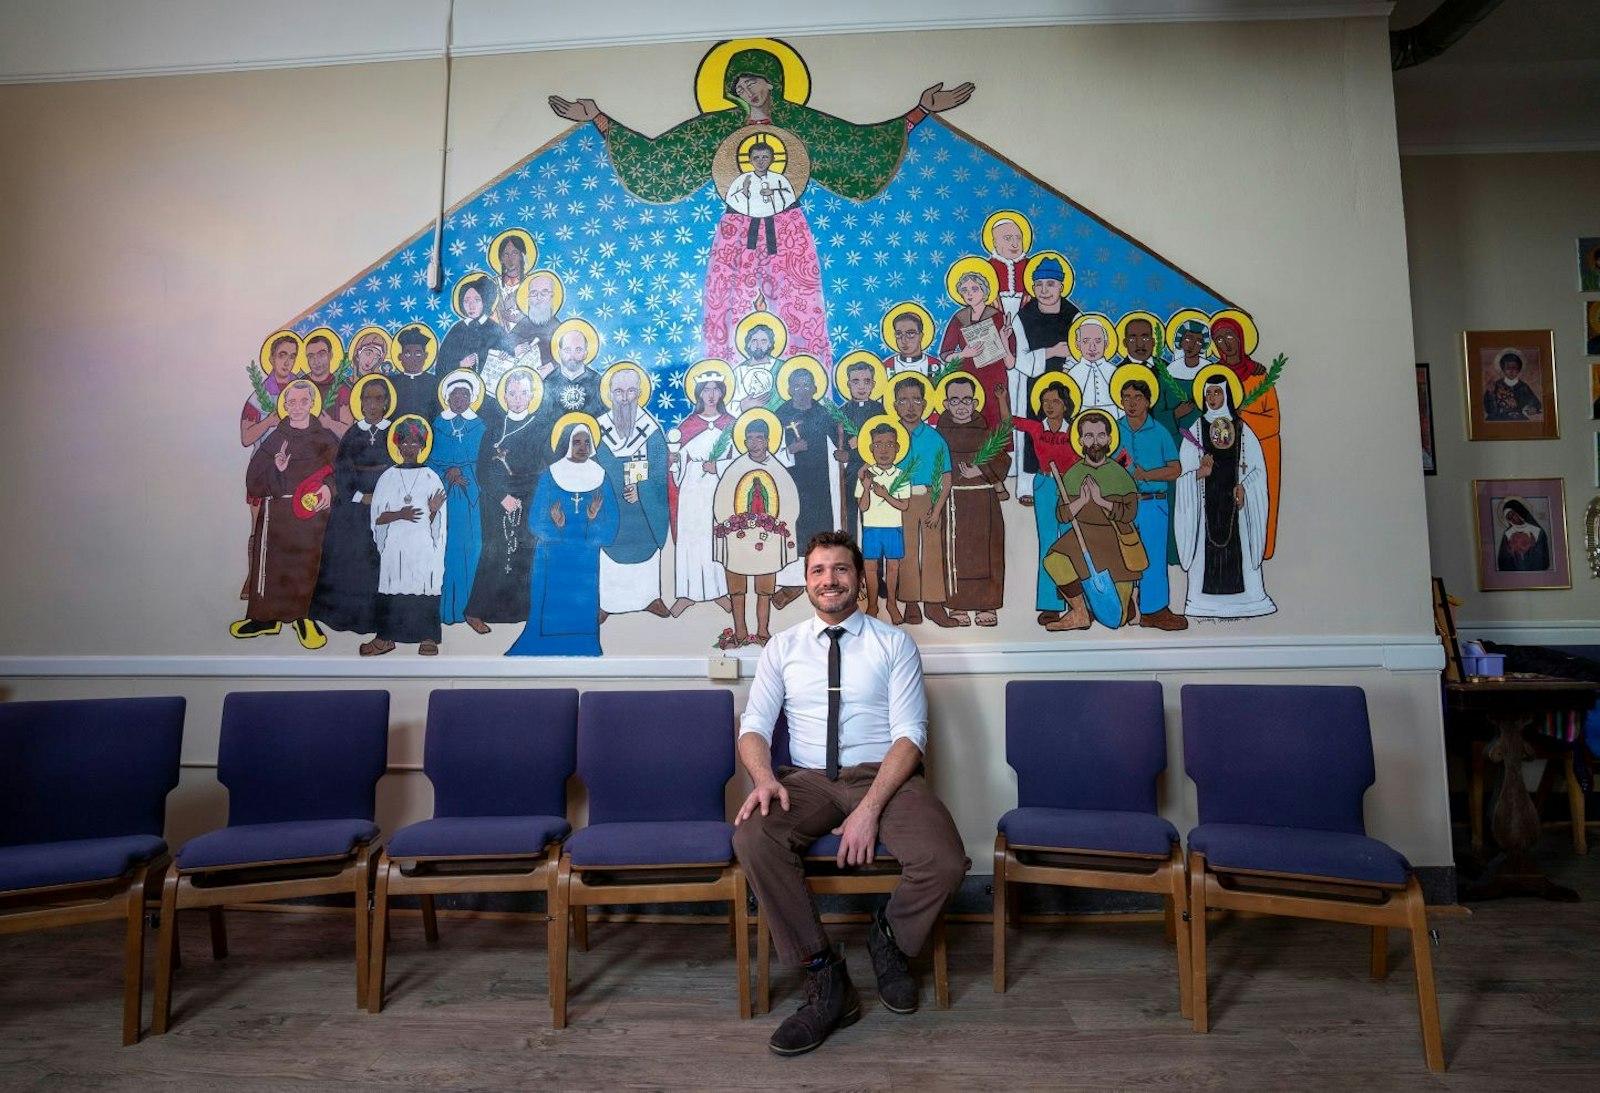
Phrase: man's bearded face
[541,299]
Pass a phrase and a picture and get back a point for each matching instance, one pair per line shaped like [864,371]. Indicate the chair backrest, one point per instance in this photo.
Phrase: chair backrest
[499,752]
[302,755]
[655,755]
[87,768]
[1096,744]
[1280,756]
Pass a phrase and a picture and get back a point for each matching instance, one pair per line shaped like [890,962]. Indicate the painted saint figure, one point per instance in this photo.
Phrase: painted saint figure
[1151,456]
[806,448]
[1054,401]
[979,333]
[703,443]
[1100,499]
[1262,415]
[883,493]
[1524,546]
[909,330]
[923,577]
[977,532]
[1041,330]
[755,374]
[416,384]
[511,457]
[409,528]
[756,508]
[633,452]
[1508,398]
[457,443]
[468,343]
[347,581]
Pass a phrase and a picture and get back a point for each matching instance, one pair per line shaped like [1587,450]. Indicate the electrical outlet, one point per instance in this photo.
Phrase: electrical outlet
[724,668]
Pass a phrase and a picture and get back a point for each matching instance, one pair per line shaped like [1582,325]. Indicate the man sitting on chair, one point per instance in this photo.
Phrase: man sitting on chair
[851,687]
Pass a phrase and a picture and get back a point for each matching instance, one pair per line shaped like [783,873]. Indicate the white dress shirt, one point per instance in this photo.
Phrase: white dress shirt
[882,698]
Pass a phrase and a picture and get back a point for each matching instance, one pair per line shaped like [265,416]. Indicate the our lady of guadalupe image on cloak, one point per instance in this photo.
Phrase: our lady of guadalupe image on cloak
[752,95]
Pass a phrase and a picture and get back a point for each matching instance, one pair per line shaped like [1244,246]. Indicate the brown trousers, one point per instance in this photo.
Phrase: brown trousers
[914,826]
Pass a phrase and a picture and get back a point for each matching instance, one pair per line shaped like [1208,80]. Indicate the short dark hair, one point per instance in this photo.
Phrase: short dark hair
[1138,385]
[858,366]
[914,382]
[290,338]
[1509,359]
[412,335]
[323,338]
[962,377]
[1089,416]
[826,539]
[912,315]
[883,427]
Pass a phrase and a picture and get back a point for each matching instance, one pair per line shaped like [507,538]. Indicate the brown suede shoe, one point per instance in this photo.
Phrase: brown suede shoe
[1164,620]
[831,1003]
[937,615]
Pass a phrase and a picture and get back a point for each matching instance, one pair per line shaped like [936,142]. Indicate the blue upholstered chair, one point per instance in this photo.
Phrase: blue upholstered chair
[83,799]
[1088,754]
[302,770]
[824,877]
[499,761]
[656,765]
[1280,773]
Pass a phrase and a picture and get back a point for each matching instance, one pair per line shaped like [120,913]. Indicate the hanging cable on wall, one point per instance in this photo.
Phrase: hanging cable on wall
[436,275]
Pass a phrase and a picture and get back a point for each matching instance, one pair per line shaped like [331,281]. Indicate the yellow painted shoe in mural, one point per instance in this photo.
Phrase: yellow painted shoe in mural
[250,628]
[310,634]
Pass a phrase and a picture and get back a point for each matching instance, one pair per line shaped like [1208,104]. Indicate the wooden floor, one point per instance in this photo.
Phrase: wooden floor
[1089,1007]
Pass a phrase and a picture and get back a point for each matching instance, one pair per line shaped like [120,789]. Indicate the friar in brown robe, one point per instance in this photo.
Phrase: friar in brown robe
[977,549]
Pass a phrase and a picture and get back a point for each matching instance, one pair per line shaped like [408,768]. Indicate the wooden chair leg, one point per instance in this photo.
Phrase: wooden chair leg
[580,928]
[1000,851]
[1197,941]
[562,891]
[1422,957]
[1380,952]
[379,941]
[362,892]
[763,962]
[1575,803]
[941,966]
[1180,906]
[166,953]
[133,962]
[219,932]
[430,919]
[1475,783]
[741,940]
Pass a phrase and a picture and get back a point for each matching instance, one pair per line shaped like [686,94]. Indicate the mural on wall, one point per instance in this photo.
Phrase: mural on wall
[663,363]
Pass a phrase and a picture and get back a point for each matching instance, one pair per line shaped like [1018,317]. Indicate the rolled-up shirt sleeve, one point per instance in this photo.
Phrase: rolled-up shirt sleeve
[761,709]
[908,701]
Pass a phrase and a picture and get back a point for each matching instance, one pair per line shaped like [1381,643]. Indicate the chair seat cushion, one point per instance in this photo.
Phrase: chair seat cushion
[1090,829]
[477,836]
[828,847]
[248,844]
[1334,854]
[677,842]
[74,861]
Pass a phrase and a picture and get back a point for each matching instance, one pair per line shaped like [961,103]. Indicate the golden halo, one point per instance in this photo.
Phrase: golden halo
[780,151]
[708,368]
[575,417]
[711,78]
[644,382]
[1251,336]
[355,394]
[590,336]
[430,346]
[791,158]
[264,358]
[864,438]
[1067,276]
[558,291]
[1015,217]
[979,397]
[780,333]
[1045,381]
[1113,343]
[1158,330]
[1141,372]
[899,309]
[535,394]
[774,428]
[366,332]
[450,379]
[335,346]
[427,443]
[460,287]
[841,373]
[1198,390]
[498,241]
[802,362]
[1076,439]
[971,264]
[930,397]
[316,397]
[1181,316]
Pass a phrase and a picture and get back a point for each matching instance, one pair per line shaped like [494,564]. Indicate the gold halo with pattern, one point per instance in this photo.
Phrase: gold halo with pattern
[535,392]
[644,382]
[710,368]
[961,267]
[1198,390]
[1030,272]
[355,395]
[1185,315]
[591,338]
[930,397]
[499,241]
[854,359]
[864,438]
[774,428]
[1252,337]
[791,158]
[780,333]
[1037,392]
[574,417]
[979,398]
[460,375]
[427,443]
[335,347]
[459,289]
[1112,343]
[430,345]
[1158,329]
[558,291]
[900,309]
[264,358]
[1076,435]
[367,332]
[1141,372]
[711,78]
[802,362]
[316,397]
[1016,218]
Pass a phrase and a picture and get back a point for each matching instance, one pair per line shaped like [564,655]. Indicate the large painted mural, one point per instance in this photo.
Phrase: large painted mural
[661,363]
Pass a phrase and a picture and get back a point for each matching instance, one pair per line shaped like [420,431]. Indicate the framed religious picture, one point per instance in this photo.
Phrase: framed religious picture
[1588,263]
[1591,326]
[1425,415]
[1594,387]
[1511,384]
[1522,534]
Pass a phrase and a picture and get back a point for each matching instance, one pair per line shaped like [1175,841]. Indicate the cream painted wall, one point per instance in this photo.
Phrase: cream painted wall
[1258,157]
[1493,245]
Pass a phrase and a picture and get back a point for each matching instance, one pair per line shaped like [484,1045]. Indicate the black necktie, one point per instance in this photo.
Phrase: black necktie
[834,634]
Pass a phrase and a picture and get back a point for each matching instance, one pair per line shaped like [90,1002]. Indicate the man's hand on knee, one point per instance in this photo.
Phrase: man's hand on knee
[761,797]
[858,837]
